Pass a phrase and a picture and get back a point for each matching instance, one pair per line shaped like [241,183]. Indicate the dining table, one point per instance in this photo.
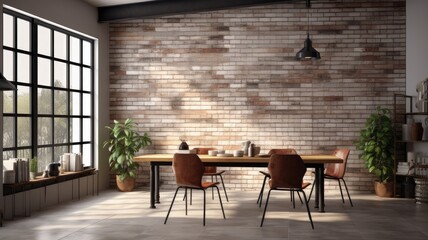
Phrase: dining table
[311,161]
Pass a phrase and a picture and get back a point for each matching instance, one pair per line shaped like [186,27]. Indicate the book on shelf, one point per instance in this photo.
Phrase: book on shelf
[16,170]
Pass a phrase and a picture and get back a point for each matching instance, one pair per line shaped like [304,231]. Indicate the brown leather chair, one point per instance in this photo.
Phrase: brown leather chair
[336,171]
[211,171]
[188,170]
[267,175]
[287,172]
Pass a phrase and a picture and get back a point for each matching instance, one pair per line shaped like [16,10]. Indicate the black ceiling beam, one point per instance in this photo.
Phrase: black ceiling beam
[170,7]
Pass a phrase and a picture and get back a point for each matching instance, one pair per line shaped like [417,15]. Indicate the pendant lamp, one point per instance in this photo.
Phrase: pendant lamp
[308,52]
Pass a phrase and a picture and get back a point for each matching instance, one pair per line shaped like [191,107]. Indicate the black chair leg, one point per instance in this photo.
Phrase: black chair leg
[259,200]
[298,194]
[204,205]
[221,203]
[307,208]
[349,196]
[312,189]
[266,204]
[224,188]
[185,195]
[341,193]
[212,190]
[172,203]
[186,201]
[292,198]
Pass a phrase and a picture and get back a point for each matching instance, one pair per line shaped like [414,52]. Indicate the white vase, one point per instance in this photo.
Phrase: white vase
[32,175]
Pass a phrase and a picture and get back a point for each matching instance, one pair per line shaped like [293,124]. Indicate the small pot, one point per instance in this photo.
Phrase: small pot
[32,175]
[384,189]
[127,185]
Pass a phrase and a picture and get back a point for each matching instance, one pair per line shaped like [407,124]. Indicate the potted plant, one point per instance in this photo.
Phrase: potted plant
[33,168]
[124,143]
[376,143]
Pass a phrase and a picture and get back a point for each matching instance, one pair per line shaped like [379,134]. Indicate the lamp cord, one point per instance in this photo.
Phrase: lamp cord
[308,5]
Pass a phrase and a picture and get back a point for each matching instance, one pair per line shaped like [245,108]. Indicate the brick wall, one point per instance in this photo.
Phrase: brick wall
[219,78]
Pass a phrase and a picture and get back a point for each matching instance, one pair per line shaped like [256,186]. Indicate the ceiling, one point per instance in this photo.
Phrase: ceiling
[120,10]
[104,3]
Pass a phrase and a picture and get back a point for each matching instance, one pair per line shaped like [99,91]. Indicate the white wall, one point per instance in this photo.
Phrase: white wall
[416,44]
[82,17]
[416,53]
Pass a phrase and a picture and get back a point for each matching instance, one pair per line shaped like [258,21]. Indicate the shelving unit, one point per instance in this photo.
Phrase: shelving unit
[402,110]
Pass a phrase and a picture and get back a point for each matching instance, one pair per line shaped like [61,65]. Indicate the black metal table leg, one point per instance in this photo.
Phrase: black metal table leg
[152,185]
[321,193]
[157,183]
[317,184]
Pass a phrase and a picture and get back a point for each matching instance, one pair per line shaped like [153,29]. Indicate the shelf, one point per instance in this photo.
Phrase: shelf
[404,175]
[421,166]
[420,177]
[416,114]
[411,141]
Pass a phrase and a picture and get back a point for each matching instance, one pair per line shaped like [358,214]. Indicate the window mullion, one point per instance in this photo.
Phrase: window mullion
[34,89]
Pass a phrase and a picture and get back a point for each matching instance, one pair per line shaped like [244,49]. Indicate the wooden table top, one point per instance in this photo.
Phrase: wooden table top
[265,159]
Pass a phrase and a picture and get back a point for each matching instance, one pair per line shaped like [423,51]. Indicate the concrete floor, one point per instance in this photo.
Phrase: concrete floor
[116,215]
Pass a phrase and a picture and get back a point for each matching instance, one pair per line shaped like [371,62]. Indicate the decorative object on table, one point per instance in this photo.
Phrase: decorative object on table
[238,153]
[251,150]
[376,143]
[124,143]
[33,168]
[212,152]
[183,145]
[417,131]
[245,146]
[53,169]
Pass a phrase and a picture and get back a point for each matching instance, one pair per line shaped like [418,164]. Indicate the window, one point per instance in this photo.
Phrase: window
[52,111]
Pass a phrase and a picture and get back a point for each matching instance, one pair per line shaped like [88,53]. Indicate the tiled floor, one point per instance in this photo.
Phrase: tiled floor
[115,215]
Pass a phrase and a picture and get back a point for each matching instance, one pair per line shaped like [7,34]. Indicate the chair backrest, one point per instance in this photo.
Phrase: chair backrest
[286,171]
[338,169]
[188,169]
[282,151]
[209,169]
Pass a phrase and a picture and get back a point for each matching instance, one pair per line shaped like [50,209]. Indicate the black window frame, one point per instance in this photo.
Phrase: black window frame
[35,87]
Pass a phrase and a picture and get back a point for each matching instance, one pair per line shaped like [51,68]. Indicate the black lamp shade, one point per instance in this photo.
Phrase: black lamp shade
[308,52]
[5,84]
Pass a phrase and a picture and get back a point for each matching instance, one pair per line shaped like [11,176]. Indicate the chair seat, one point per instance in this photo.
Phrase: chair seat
[206,185]
[304,185]
[330,177]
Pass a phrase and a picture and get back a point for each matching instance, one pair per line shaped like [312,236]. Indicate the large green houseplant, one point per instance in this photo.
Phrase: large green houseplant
[124,143]
[376,143]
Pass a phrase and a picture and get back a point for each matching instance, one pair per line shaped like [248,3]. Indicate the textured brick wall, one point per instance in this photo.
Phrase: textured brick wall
[223,77]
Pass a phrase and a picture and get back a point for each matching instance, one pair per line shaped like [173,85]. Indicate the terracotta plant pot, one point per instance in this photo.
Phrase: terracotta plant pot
[384,189]
[127,185]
